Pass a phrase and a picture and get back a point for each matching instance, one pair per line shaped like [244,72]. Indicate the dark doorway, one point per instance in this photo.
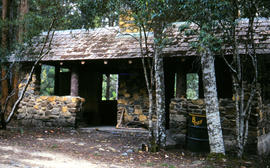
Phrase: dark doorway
[108,112]
[97,111]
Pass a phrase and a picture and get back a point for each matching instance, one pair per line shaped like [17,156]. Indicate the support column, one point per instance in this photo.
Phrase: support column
[74,86]
[56,80]
[181,84]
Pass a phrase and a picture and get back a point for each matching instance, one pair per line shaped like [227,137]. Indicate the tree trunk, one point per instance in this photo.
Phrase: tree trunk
[211,104]
[4,45]
[4,42]
[4,95]
[160,90]
[74,87]
[15,82]
[40,56]
[149,79]
[108,84]
[24,8]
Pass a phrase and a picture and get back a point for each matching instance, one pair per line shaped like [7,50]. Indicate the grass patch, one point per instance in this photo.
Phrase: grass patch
[54,146]
[167,165]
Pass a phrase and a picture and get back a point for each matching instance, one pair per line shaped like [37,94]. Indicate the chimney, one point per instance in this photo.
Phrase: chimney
[127,23]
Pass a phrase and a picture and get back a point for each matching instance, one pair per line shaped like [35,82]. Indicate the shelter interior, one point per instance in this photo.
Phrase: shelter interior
[97,111]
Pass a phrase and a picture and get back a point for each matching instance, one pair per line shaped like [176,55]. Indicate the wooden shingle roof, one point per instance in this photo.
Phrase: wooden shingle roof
[109,43]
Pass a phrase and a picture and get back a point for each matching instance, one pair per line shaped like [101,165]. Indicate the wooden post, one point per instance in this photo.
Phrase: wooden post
[56,80]
[181,84]
[74,87]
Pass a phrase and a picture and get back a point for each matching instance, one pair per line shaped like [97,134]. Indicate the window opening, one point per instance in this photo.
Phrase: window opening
[109,86]
[64,70]
[47,80]
[192,86]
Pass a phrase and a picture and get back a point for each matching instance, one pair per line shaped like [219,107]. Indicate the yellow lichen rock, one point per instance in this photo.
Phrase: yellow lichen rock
[138,110]
[142,118]
[51,98]
[122,101]
[64,109]
[36,107]
[74,100]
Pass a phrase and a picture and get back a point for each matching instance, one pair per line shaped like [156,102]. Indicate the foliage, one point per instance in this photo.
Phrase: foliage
[217,22]
[47,80]
[192,86]
[113,87]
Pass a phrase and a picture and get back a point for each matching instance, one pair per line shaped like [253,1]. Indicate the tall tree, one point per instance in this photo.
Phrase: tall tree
[30,24]
[221,20]
[24,9]
[244,67]
[4,47]
[155,16]
[204,14]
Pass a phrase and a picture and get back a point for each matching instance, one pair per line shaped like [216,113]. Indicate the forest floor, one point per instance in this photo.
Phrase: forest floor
[96,147]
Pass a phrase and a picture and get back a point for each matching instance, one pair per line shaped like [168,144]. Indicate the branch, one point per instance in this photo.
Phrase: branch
[229,65]
[9,69]
[7,100]
[41,55]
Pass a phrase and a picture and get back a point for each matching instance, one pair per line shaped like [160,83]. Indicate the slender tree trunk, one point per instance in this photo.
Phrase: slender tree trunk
[211,104]
[40,56]
[24,8]
[108,84]
[160,89]
[149,79]
[15,82]
[4,45]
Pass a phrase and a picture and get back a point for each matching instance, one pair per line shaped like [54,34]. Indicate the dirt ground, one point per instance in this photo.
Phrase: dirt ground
[96,147]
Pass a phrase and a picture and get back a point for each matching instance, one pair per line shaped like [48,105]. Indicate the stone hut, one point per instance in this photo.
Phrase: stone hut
[88,54]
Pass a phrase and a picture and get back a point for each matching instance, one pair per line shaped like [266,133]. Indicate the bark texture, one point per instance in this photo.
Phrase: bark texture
[4,82]
[40,56]
[211,104]
[149,79]
[160,90]
[4,45]
[24,8]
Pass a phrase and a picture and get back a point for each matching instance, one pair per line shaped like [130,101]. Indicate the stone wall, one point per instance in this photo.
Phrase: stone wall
[36,110]
[180,108]
[264,120]
[132,99]
[127,24]
[49,111]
